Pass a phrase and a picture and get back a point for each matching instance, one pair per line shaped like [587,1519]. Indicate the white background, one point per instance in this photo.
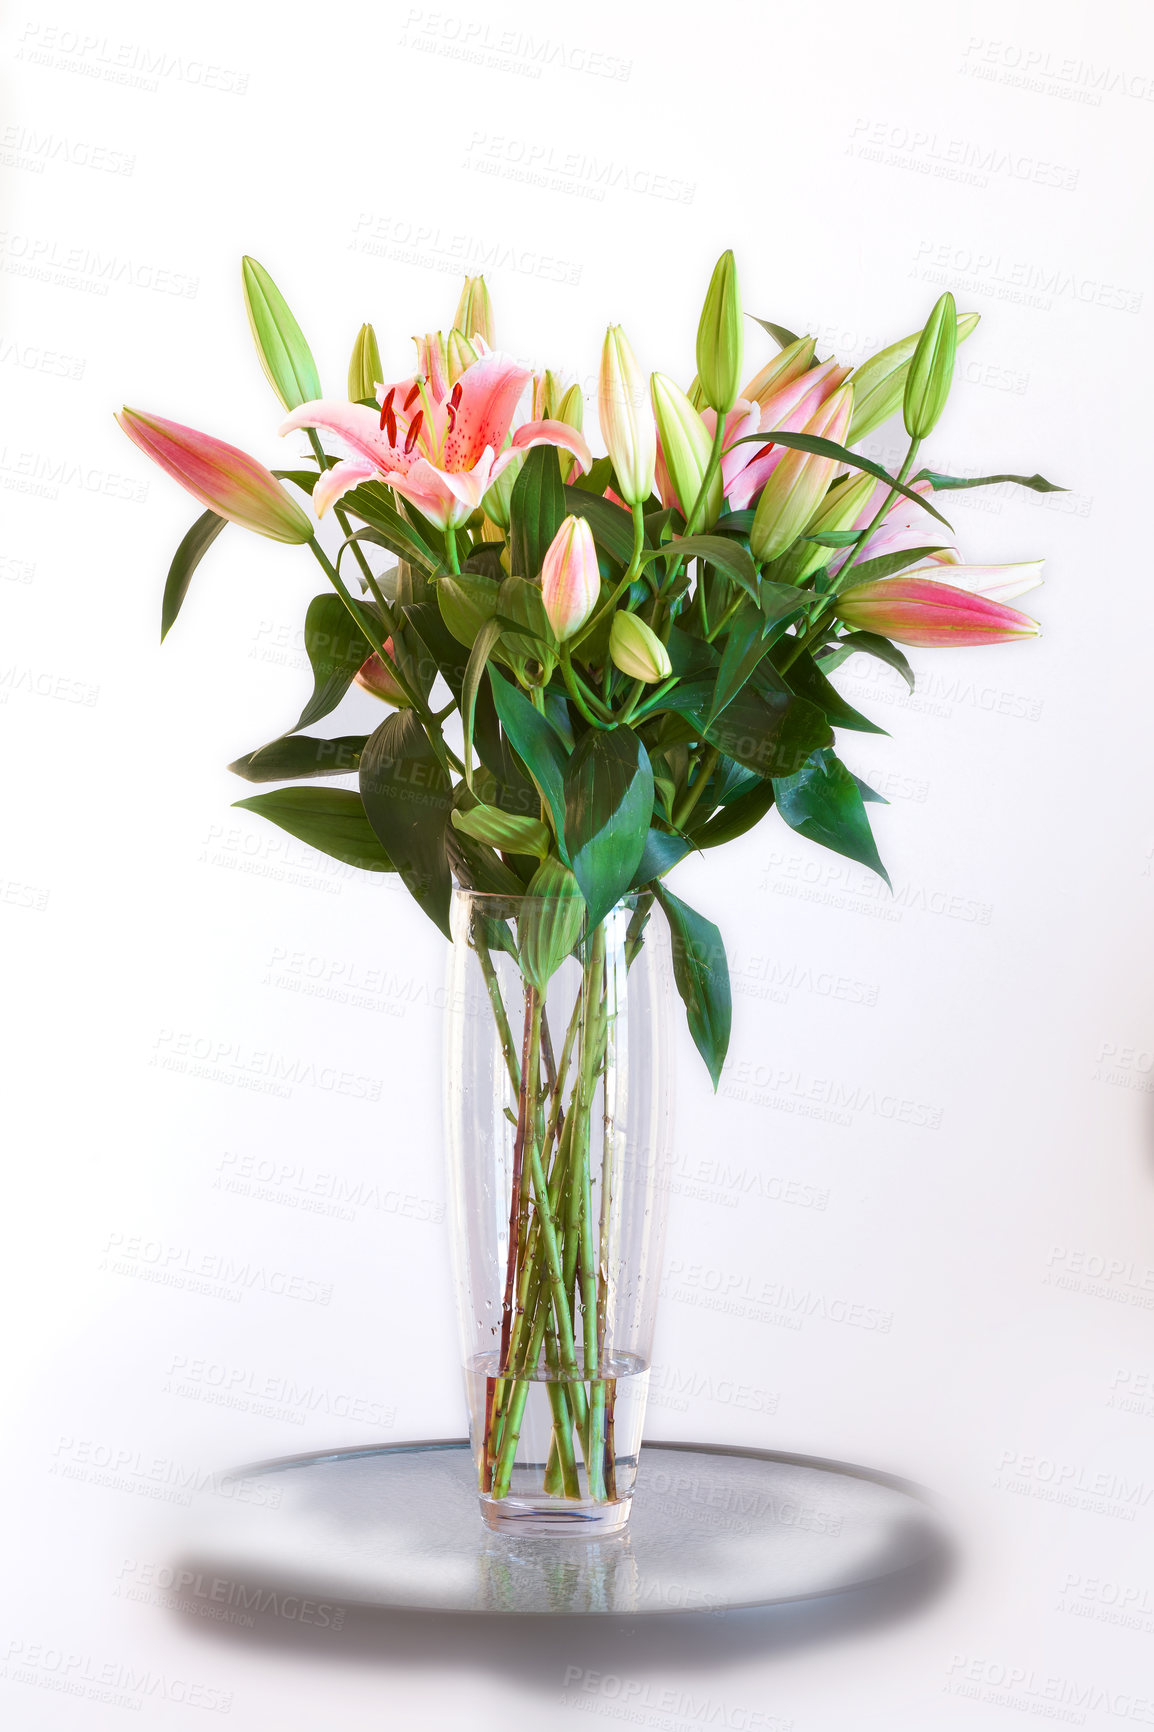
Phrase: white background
[935,1121]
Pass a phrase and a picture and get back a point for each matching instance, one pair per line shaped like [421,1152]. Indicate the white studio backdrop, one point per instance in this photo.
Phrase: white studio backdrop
[915,1229]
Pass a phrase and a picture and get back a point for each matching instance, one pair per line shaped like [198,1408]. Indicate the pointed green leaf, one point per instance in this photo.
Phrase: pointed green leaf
[871,644]
[946,483]
[830,448]
[336,651]
[478,657]
[736,818]
[608,805]
[536,510]
[331,820]
[298,755]
[660,855]
[728,557]
[184,562]
[823,802]
[701,971]
[886,564]
[408,798]
[808,681]
[782,337]
[611,526]
[538,747]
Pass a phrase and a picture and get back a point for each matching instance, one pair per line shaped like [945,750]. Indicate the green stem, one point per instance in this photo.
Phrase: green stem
[631,571]
[451,549]
[704,770]
[585,700]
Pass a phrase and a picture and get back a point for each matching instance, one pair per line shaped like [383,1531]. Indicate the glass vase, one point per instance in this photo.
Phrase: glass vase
[558,1100]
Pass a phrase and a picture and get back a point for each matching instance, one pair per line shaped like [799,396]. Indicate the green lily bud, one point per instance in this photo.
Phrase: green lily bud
[285,356]
[571,411]
[508,831]
[720,338]
[686,446]
[637,650]
[931,371]
[785,367]
[696,395]
[365,370]
[626,422]
[474,315]
[460,352]
[879,383]
[553,922]
[838,510]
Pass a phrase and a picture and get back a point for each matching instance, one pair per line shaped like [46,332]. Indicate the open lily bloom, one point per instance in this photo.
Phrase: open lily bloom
[441,448]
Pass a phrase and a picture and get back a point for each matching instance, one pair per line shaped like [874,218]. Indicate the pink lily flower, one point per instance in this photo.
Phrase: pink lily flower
[995,582]
[440,448]
[904,525]
[912,609]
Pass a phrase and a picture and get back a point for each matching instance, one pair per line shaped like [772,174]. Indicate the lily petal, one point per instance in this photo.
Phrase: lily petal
[490,390]
[337,481]
[547,433]
[358,426]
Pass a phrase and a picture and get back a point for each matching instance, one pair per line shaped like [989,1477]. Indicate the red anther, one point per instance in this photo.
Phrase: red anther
[412,396]
[453,404]
[388,419]
[414,429]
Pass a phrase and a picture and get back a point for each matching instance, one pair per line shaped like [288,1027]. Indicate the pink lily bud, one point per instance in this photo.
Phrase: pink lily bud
[627,425]
[915,610]
[433,362]
[224,479]
[379,678]
[570,581]
[789,365]
[460,353]
[798,483]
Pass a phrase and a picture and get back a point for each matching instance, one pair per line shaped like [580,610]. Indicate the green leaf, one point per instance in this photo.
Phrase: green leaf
[870,794]
[478,868]
[331,820]
[944,483]
[608,805]
[536,509]
[886,564]
[596,478]
[745,646]
[336,651]
[660,855]
[285,356]
[728,557]
[765,727]
[184,562]
[373,502]
[735,819]
[466,603]
[835,537]
[478,657]
[808,681]
[507,831]
[408,798]
[612,527]
[823,802]
[780,602]
[701,972]
[538,747]
[780,335]
[830,448]
[298,755]
[871,644]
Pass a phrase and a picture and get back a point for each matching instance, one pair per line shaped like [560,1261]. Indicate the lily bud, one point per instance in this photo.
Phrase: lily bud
[571,412]
[474,315]
[546,395]
[686,447]
[916,610]
[720,338]
[508,831]
[365,370]
[460,353]
[837,511]
[637,650]
[570,580]
[799,481]
[789,365]
[696,395]
[433,363]
[626,419]
[931,371]
[379,678]
[879,384]
[553,921]
[285,356]
[224,479]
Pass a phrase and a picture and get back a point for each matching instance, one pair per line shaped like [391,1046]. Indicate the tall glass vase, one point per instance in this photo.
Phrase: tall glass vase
[558,1099]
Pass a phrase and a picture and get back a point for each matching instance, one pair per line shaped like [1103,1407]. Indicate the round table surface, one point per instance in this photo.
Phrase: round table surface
[712,1529]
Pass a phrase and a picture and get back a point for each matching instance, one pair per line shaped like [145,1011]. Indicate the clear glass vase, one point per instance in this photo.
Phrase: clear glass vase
[558,1102]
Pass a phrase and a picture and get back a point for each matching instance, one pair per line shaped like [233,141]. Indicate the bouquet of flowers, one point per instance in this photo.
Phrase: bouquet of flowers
[592,666]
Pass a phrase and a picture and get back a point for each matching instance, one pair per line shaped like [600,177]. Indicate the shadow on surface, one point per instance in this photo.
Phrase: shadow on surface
[536,1652]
